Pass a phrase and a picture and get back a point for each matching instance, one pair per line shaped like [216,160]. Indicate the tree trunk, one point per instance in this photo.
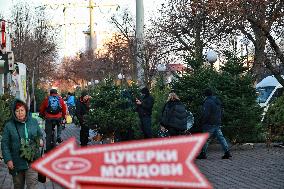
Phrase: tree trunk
[198,46]
[275,72]
[198,42]
[259,57]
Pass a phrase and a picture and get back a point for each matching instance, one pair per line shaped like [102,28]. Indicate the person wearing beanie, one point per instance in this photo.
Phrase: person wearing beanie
[144,108]
[20,130]
[211,122]
[53,110]
[82,108]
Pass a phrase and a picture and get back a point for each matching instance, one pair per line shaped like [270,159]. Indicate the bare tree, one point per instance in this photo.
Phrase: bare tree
[260,20]
[34,41]
[186,28]
[125,26]
[84,68]
[120,55]
[151,53]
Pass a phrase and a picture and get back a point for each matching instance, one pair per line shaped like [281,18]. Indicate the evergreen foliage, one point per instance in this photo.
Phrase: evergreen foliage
[275,113]
[30,149]
[5,110]
[234,86]
[275,118]
[40,94]
[160,95]
[113,110]
[242,114]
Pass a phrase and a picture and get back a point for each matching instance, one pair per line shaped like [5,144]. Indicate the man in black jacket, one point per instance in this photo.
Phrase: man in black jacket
[144,109]
[211,122]
[82,108]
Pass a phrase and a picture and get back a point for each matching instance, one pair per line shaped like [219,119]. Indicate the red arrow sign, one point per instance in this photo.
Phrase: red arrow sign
[156,163]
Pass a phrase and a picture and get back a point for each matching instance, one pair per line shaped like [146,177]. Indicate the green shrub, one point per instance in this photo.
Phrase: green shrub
[5,110]
[40,94]
[275,119]
[160,97]
[234,85]
[112,111]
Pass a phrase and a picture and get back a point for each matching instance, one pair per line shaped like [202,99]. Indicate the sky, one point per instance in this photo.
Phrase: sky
[75,20]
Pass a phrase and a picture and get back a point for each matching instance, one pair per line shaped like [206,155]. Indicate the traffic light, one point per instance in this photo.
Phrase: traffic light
[4,68]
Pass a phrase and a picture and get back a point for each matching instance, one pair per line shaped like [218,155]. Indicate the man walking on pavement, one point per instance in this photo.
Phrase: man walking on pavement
[82,108]
[71,104]
[53,110]
[211,122]
[144,109]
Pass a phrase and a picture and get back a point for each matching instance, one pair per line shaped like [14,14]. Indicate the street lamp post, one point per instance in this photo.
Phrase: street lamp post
[120,76]
[89,86]
[140,41]
[211,57]
[33,90]
[161,67]
[96,82]
[92,34]
[245,41]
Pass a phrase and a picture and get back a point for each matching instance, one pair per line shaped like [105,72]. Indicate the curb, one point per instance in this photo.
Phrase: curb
[244,146]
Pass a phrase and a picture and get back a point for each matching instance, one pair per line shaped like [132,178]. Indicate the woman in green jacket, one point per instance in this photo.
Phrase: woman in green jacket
[20,144]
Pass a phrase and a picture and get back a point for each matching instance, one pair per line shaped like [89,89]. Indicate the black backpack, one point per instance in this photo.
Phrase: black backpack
[53,106]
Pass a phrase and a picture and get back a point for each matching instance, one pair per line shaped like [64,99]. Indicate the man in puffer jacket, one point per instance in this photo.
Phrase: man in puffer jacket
[174,116]
[211,122]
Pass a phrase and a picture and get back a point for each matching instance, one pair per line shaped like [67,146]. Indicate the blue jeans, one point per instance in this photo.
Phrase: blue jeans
[146,126]
[215,131]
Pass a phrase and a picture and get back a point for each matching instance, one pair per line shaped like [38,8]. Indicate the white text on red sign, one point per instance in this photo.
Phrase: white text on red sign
[141,164]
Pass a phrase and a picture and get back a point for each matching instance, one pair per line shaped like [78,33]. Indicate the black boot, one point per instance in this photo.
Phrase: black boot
[202,155]
[227,155]
[59,140]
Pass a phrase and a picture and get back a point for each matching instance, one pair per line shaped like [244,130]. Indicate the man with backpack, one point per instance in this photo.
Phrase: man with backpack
[53,110]
[71,104]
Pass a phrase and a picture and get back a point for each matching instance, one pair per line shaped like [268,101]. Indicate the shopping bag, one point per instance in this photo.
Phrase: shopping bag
[68,119]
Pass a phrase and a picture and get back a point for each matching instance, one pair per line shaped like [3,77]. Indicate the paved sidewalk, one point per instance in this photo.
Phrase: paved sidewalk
[251,168]
[258,168]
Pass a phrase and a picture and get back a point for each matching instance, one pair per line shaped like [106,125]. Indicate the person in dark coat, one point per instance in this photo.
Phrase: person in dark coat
[211,122]
[82,108]
[22,129]
[174,116]
[144,109]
